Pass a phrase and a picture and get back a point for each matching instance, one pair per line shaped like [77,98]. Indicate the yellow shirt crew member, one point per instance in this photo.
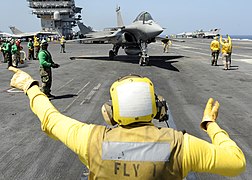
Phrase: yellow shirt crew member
[138,150]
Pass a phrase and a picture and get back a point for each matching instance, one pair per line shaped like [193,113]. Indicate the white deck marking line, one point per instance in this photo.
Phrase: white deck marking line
[249,61]
[243,60]
[14,146]
[79,92]
[64,84]
[14,90]
[83,87]
[91,94]
[246,56]
[206,54]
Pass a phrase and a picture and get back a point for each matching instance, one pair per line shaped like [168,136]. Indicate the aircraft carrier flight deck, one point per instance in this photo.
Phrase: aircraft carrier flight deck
[183,76]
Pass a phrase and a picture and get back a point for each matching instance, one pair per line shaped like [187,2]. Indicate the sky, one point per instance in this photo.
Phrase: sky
[231,16]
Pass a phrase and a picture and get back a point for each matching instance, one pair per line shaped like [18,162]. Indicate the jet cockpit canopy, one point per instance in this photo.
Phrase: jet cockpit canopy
[143,16]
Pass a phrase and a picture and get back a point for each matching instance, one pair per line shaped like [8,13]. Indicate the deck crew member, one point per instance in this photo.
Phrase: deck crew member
[62,44]
[30,47]
[36,46]
[7,52]
[14,53]
[226,52]
[215,49]
[46,63]
[166,44]
[134,148]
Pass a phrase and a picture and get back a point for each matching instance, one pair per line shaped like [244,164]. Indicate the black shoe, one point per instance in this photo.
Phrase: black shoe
[50,96]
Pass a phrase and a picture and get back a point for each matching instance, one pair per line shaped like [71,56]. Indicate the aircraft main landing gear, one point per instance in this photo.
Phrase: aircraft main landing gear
[113,52]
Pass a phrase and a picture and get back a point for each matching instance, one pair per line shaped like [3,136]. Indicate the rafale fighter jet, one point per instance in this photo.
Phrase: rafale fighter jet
[19,34]
[133,38]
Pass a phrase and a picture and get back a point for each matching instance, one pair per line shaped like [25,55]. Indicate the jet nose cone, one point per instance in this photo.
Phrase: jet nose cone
[160,30]
[157,29]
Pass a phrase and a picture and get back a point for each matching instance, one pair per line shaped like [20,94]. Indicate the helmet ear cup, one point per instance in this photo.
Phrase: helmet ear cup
[161,109]
[107,113]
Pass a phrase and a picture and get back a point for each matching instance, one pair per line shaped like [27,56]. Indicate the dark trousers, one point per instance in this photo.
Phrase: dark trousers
[4,59]
[31,54]
[215,56]
[62,48]
[46,78]
[36,48]
[8,58]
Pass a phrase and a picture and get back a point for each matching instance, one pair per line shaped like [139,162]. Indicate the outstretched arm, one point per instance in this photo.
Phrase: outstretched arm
[74,134]
[222,157]
[229,40]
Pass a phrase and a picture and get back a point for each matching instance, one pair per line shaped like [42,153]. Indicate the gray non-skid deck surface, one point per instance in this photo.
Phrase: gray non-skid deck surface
[183,76]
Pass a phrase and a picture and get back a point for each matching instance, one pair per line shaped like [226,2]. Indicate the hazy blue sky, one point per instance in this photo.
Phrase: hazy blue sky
[232,16]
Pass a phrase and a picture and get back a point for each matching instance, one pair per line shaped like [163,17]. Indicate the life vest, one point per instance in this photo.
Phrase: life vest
[142,152]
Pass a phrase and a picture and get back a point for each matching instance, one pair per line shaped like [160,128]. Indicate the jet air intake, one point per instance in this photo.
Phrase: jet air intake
[127,38]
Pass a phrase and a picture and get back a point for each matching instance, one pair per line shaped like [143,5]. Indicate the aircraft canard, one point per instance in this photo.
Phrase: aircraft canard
[133,38]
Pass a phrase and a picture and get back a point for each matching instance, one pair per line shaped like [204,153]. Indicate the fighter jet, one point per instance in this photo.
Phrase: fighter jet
[200,34]
[133,38]
[19,34]
[211,33]
[5,35]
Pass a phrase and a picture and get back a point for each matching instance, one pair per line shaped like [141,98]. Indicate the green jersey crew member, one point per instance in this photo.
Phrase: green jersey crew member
[7,52]
[46,63]
[14,53]
[30,50]
[135,148]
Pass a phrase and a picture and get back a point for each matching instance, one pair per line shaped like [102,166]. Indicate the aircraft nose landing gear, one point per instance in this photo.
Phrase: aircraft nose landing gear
[144,59]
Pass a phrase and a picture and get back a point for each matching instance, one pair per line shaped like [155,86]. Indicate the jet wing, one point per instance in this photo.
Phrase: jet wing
[19,34]
[109,36]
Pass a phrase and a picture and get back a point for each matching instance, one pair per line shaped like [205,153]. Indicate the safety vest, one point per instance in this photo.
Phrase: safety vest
[225,48]
[62,41]
[215,45]
[143,152]
[36,42]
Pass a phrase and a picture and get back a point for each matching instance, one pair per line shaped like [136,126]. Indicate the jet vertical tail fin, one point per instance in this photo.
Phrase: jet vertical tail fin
[14,30]
[119,17]
[83,29]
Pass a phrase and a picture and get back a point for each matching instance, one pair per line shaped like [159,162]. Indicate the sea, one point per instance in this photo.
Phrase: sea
[241,37]
[233,37]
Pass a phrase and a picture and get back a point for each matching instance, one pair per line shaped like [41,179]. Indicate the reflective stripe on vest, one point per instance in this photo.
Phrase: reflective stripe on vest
[135,151]
[142,152]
